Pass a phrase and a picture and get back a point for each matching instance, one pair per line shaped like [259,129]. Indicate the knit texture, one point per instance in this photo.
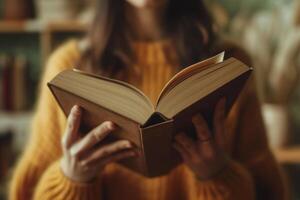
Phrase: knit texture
[252,173]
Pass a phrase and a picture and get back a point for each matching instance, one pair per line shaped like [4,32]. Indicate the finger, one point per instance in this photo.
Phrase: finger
[181,151]
[73,123]
[201,127]
[186,142]
[219,122]
[107,150]
[92,138]
[118,156]
[112,158]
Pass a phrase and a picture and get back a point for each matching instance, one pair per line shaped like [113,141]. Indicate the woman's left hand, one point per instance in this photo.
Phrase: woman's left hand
[206,156]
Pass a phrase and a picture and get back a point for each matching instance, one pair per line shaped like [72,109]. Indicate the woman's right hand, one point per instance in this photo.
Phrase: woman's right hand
[82,161]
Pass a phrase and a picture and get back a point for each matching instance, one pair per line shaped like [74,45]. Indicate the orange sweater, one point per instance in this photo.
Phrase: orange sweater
[252,172]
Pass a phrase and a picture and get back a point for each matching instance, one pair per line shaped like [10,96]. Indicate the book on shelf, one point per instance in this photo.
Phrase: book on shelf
[2,63]
[151,127]
[19,79]
[14,82]
[6,65]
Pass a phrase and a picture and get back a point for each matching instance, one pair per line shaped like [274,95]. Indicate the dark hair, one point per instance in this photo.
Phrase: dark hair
[189,26]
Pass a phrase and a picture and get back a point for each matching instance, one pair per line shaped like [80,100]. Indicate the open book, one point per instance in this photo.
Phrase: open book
[195,89]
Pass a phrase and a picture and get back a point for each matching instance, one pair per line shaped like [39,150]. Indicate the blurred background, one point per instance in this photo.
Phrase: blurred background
[268,30]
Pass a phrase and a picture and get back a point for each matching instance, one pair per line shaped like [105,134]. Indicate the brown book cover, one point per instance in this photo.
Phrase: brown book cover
[153,132]
[19,82]
[7,83]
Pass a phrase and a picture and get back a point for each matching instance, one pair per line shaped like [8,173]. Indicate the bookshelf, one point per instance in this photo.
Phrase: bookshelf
[35,40]
[36,26]
[13,27]
[45,31]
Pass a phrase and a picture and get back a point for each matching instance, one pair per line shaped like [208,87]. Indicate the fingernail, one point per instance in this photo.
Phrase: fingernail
[75,109]
[83,163]
[110,125]
[128,145]
[73,151]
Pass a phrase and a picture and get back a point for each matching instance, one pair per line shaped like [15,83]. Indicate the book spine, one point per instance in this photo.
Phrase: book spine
[19,83]
[160,156]
[7,84]
[2,58]
[136,164]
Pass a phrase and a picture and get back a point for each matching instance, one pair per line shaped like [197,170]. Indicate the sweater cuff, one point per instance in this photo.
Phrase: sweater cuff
[233,182]
[55,185]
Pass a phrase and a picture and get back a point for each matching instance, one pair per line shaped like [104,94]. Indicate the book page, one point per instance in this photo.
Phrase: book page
[198,86]
[114,95]
[189,71]
[135,89]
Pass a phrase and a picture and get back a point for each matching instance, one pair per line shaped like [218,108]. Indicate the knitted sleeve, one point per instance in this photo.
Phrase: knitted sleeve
[37,173]
[252,149]
[232,183]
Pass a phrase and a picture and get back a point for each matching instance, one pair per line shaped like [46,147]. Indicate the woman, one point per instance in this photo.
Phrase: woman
[143,42]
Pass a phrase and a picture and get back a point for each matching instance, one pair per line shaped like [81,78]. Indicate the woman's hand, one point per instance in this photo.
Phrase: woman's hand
[82,160]
[206,156]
